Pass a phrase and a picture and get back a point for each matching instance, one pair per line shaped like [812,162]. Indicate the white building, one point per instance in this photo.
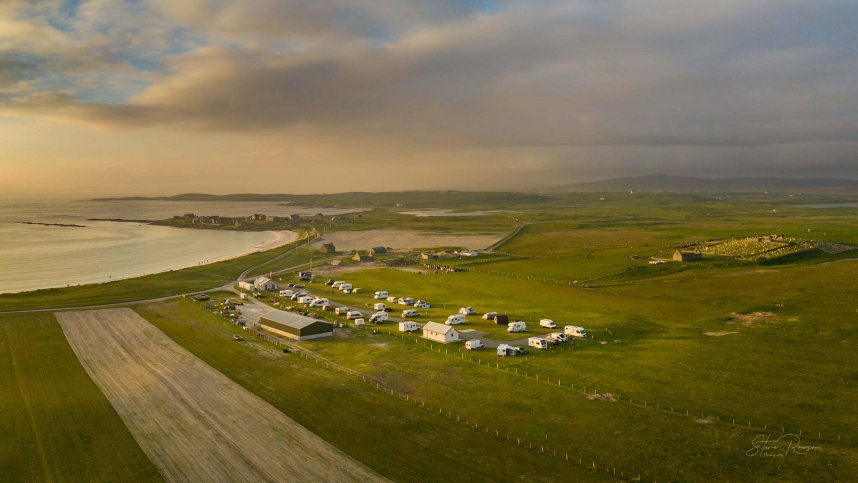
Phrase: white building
[247,286]
[265,284]
[440,332]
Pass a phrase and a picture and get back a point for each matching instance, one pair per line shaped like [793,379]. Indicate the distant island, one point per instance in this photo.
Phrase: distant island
[68,225]
[687,184]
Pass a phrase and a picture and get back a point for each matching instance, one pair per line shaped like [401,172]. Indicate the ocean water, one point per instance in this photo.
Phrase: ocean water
[38,256]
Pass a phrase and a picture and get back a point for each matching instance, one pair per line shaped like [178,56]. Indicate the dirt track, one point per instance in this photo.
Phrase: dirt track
[193,422]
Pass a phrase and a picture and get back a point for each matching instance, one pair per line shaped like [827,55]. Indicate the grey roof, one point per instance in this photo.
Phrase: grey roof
[291,319]
[439,328]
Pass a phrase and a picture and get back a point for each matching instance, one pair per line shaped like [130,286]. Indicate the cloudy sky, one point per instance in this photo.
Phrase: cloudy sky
[167,96]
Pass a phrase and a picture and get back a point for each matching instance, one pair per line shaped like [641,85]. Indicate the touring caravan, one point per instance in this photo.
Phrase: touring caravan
[379,306]
[506,350]
[408,326]
[537,342]
[381,295]
[379,317]
[474,344]
[410,313]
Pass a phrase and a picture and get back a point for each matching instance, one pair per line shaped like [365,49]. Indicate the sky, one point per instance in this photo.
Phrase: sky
[158,97]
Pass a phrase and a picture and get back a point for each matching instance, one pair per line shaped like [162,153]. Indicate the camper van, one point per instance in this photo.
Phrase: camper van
[379,317]
[537,342]
[286,293]
[474,344]
[379,306]
[341,310]
[380,295]
[547,323]
[556,337]
[455,319]
[490,315]
[410,313]
[575,331]
[408,326]
[318,302]
[354,314]
[518,326]
[467,310]
[506,350]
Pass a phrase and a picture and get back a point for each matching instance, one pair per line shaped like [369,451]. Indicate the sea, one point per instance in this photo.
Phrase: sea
[56,243]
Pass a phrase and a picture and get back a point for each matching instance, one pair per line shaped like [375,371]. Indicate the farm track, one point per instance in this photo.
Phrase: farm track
[193,422]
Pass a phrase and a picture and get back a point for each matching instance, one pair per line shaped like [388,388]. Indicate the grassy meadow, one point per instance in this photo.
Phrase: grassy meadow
[55,424]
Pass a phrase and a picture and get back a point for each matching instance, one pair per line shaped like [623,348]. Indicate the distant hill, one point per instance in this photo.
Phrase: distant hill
[405,199]
[687,184]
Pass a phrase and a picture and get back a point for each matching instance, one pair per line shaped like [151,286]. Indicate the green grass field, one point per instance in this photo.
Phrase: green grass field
[55,424]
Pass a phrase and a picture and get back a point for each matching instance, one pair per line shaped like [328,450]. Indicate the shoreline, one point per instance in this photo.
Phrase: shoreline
[278,238]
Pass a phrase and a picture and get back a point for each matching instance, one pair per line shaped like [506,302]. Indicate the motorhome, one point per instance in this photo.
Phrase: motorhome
[408,326]
[474,344]
[547,323]
[379,317]
[575,331]
[556,337]
[455,319]
[346,287]
[319,301]
[381,295]
[537,342]
[518,326]
[410,313]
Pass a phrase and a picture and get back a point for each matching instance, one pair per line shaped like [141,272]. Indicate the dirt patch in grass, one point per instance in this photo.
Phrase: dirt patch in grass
[718,334]
[601,397]
[705,420]
[754,318]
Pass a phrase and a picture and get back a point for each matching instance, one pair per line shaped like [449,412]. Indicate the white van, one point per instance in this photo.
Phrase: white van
[547,323]
[379,317]
[408,326]
[286,293]
[474,344]
[354,314]
[575,331]
[381,295]
[455,319]
[410,313]
[379,306]
[537,342]
[517,326]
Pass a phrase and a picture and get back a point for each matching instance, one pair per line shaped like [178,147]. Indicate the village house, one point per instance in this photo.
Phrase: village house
[257,217]
[679,256]
[265,284]
[440,332]
[328,248]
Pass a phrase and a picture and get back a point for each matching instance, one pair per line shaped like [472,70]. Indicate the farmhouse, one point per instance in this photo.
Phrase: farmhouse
[265,284]
[328,248]
[679,256]
[295,326]
[440,332]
